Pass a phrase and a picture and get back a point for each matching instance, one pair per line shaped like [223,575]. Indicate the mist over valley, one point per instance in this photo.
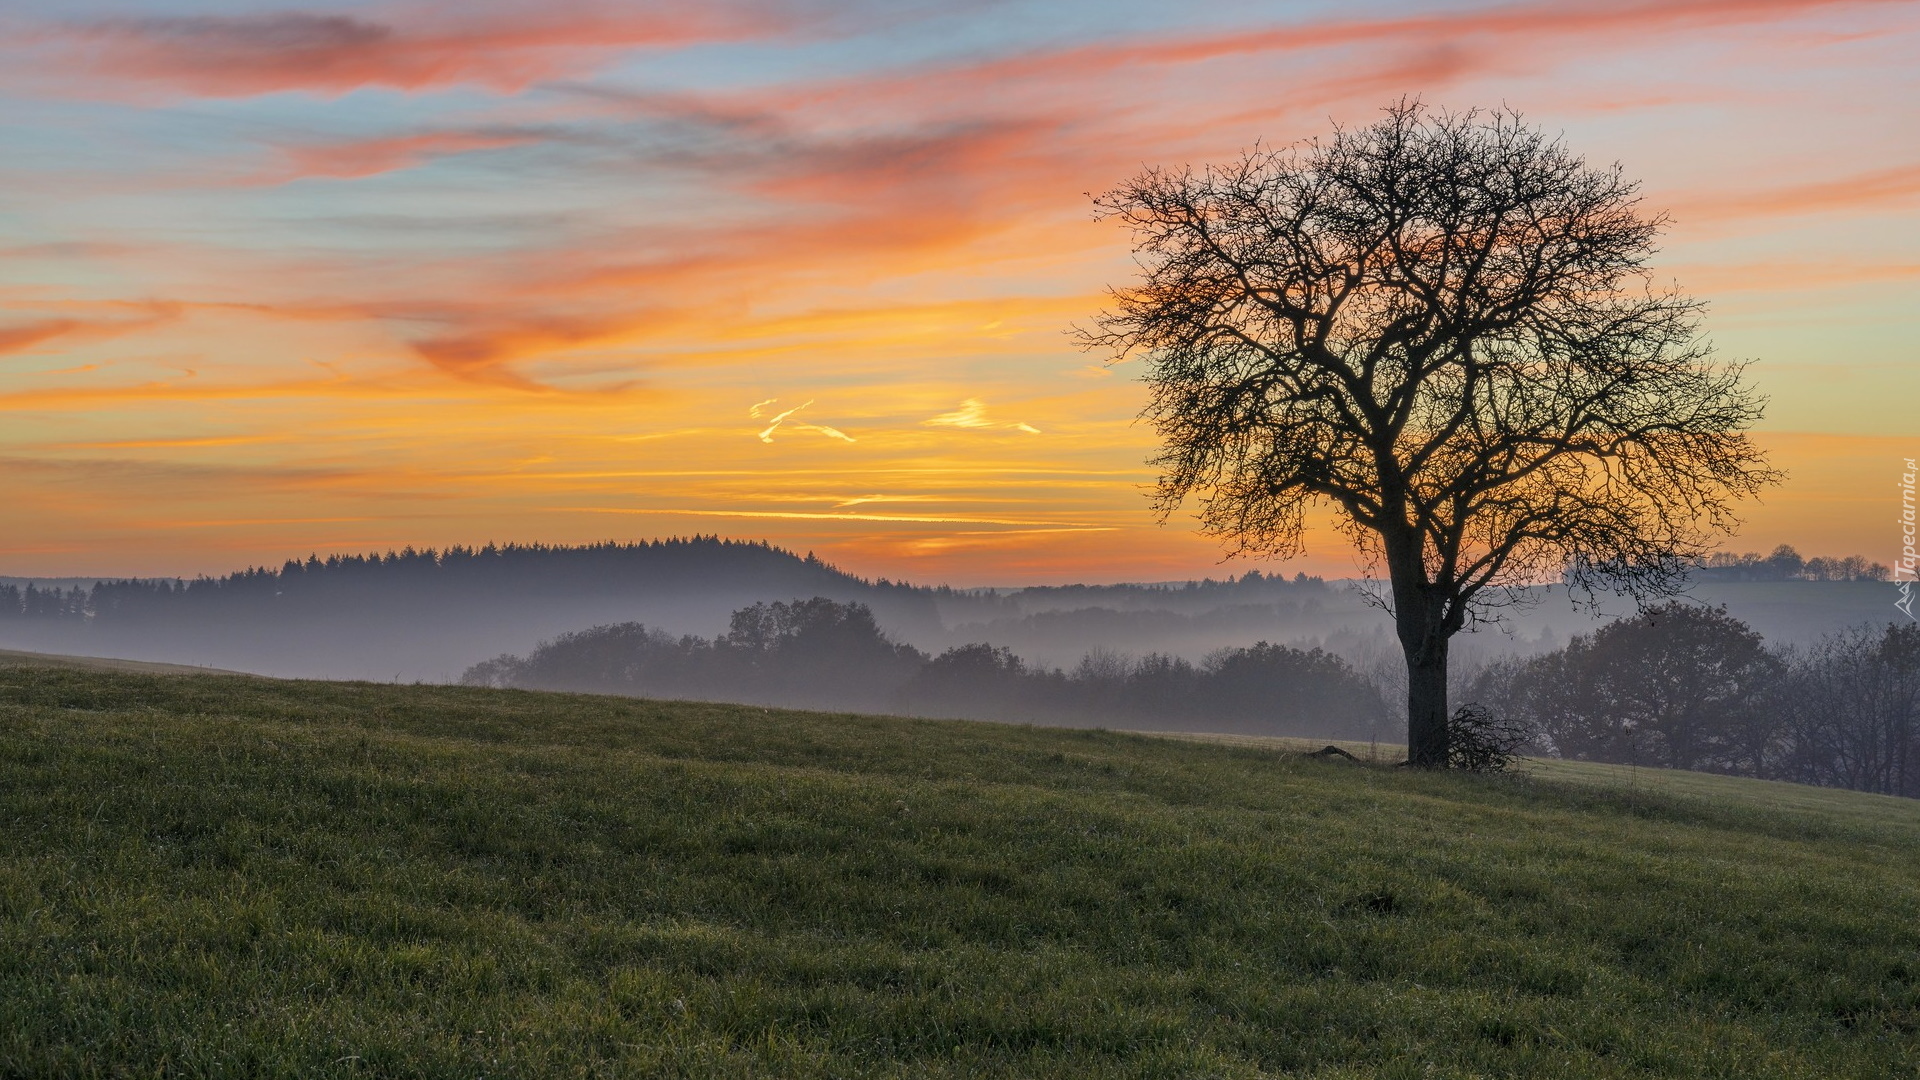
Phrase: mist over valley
[431,615]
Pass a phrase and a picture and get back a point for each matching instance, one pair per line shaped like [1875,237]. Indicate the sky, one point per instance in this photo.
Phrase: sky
[325,277]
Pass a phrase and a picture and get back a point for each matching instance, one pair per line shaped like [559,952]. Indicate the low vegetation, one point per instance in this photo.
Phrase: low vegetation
[822,654]
[1690,687]
[221,876]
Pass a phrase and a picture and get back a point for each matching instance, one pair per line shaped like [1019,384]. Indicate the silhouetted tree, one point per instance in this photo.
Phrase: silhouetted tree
[816,652]
[1786,563]
[1442,325]
[1286,689]
[976,680]
[621,658]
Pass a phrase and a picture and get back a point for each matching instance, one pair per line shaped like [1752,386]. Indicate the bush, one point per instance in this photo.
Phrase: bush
[1482,740]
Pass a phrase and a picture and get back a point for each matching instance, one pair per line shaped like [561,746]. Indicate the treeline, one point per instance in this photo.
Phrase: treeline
[1203,595]
[1785,564]
[66,605]
[409,574]
[822,654]
[1687,687]
[425,614]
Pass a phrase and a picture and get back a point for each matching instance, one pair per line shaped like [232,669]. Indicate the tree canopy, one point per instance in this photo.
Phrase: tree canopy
[1443,326]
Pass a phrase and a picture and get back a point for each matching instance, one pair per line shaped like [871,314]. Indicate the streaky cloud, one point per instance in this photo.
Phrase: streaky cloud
[503,47]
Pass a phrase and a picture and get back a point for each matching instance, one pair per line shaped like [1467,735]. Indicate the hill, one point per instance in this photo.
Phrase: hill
[430,615]
[228,876]
[411,614]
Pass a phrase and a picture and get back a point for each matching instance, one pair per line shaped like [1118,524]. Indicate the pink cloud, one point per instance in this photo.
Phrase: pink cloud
[1859,191]
[933,172]
[1534,19]
[843,179]
[1791,276]
[1104,75]
[243,55]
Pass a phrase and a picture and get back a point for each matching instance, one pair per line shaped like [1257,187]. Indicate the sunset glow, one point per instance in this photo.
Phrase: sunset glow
[278,279]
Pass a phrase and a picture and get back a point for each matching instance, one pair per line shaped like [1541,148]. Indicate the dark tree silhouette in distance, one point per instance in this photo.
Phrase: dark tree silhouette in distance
[1444,326]
[1678,685]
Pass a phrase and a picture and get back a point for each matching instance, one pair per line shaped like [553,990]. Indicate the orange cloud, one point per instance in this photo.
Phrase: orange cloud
[591,295]
[369,157]
[174,443]
[21,338]
[792,515]
[486,341]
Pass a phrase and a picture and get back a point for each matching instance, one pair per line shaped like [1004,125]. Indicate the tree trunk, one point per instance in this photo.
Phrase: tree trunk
[1427,704]
[1421,616]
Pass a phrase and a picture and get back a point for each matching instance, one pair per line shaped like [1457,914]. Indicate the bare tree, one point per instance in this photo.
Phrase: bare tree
[1443,326]
[1852,706]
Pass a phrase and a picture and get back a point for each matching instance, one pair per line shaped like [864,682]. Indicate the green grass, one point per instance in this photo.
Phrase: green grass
[219,876]
[1634,784]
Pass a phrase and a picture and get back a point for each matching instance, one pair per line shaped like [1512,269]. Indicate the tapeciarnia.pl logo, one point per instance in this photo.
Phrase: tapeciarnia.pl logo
[1903,567]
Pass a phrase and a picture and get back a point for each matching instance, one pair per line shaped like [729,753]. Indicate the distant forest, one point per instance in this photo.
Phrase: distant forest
[1168,655]
[425,613]
[1684,686]
[428,614]
[826,655]
[1680,685]
[504,573]
[407,576]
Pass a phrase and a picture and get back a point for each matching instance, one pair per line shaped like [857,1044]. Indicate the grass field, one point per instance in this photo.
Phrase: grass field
[206,875]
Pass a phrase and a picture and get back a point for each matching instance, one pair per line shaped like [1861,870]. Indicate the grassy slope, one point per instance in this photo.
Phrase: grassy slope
[1632,784]
[15,657]
[208,875]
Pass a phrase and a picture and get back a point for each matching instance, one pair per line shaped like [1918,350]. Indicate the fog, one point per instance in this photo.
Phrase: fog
[1057,626]
[428,616]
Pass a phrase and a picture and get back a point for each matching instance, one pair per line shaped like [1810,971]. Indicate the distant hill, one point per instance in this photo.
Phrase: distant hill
[427,615]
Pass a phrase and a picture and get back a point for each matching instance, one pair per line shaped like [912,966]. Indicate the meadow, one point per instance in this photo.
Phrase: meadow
[225,876]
